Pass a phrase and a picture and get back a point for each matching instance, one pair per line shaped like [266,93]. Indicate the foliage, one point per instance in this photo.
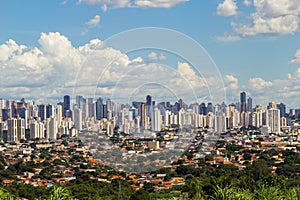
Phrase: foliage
[5,195]
[61,193]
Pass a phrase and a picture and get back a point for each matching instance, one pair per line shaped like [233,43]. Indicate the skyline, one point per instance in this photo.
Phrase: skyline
[45,48]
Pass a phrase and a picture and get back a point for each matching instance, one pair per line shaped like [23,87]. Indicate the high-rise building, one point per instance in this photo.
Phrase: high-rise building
[91,107]
[202,109]
[66,105]
[78,101]
[1,130]
[59,115]
[282,108]
[49,111]
[272,105]
[249,104]
[42,112]
[143,116]
[51,128]
[99,109]
[37,130]
[209,108]
[148,105]
[109,109]
[243,103]
[148,100]
[16,129]
[77,118]
[156,120]
[220,123]
[273,120]
[5,114]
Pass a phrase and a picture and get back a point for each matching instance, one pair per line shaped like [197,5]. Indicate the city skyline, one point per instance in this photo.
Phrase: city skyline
[253,44]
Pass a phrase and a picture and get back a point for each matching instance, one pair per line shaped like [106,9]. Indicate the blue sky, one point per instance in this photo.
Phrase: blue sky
[253,43]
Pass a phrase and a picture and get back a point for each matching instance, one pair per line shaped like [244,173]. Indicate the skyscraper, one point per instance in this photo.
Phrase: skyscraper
[156,120]
[91,107]
[273,120]
[66,105]
[59,115]
[202,109]
[249,104]
[16,129]
[51,128]
[143,116]
[243,102]
[77,118]
[148,105]
[148,100]
[42,112]
[99,109]
[282,108]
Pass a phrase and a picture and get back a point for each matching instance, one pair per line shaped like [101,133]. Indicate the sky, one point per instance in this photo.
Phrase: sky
[207,50]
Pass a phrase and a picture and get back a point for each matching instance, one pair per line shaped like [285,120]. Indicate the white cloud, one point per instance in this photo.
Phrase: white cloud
[227,8]
[296,59]
[259,83]
[271,17]
[231,82]
[56,68]
[112,3]
[133,3]
[228,38]
[94,22]
[247,2]
[157,3]
[281,25]
[154,57]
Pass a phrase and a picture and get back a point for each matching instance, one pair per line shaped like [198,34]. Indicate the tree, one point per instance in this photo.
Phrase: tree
[60,193]
[5,195]
[259,169]
[265,192]
[149,187]
[140,195]
[247,156]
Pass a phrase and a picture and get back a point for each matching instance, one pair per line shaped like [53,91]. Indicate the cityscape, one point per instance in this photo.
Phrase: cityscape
[142,138]
[47,121]
[150,100]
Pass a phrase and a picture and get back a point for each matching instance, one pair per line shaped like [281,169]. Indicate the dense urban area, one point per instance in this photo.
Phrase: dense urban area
[96,149]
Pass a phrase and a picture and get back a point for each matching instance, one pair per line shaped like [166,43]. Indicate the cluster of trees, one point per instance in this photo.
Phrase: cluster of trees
[207,181]
[272,187]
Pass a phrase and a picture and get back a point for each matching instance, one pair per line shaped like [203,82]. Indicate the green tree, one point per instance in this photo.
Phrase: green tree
[149,187]
[140,195]
[259,169]
[60,193]
[5,195]
[268,193]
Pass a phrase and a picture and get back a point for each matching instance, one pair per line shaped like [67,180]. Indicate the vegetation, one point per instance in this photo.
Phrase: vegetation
[206,181]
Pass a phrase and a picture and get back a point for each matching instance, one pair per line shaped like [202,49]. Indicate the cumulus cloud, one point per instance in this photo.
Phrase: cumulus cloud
[56,68]
[271,17]
[94,22]
[259,83]
[133,3]
[154,57]
[231,82]
[296,59]
[157,3]
[227,8]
